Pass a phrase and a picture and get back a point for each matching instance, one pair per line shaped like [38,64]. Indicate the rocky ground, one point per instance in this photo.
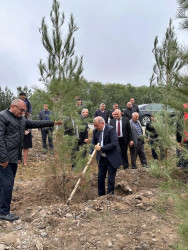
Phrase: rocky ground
[127,220]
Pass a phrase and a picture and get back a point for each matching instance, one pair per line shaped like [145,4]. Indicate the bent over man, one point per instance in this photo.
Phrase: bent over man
[108,154]
[12,129]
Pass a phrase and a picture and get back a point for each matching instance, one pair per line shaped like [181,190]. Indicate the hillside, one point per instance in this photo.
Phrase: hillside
[131,219]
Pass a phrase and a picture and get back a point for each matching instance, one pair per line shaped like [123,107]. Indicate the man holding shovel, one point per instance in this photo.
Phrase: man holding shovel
[108,154]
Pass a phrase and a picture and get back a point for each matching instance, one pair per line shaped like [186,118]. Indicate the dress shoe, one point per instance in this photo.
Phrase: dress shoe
[145,166]
[9,217]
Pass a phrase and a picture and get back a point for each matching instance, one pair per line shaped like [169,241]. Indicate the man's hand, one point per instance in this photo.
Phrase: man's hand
[86,140]
[97,147]
[4,164]
[180,146]
[26,132]
[130,143]
[58,122]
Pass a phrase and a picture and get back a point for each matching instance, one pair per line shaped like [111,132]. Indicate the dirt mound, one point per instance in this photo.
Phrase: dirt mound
[126,220]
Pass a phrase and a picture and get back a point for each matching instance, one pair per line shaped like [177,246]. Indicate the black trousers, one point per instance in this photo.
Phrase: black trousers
[182,159]
[7,176]
[154,144]
[138,151]
[104,167]
[47,133]
[123,147]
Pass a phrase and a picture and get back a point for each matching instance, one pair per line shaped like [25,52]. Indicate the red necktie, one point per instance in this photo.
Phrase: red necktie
[118,129]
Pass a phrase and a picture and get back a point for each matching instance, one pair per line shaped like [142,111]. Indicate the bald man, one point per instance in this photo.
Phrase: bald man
[124,133]
[138,142]
[128,111]
[12,129]
[108,154]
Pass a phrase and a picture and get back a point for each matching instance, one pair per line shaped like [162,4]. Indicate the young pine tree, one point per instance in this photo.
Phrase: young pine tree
[61,63]
[165,71]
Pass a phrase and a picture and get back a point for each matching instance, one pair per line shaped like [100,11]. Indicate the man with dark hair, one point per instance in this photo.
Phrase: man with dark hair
[22,96]
[135,107]
[12,129]
[46,132]
[79,105]
[102,112]
[108,154]
[115,106]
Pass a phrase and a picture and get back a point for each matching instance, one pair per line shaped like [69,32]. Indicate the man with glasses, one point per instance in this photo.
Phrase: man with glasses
[12,129]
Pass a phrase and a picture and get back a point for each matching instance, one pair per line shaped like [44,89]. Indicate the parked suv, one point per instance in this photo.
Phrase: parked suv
[146,110]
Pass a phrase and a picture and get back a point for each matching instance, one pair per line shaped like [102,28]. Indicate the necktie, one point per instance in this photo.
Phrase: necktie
[100,137]
[118,128]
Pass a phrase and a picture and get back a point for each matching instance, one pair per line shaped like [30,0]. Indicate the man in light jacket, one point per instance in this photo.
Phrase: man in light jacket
[138,142]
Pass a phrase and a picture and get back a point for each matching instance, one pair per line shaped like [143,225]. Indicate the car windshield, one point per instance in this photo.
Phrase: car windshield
[143,106]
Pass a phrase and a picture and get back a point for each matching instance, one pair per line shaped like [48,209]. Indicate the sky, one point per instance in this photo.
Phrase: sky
[115,38]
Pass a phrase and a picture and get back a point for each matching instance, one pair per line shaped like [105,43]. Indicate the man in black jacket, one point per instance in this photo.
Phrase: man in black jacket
[115,106]
[12,129]
[46,132]
[79,130]
[123,129]
[153,138]
[83,134]
[102,112]
[128,111]
[135,106]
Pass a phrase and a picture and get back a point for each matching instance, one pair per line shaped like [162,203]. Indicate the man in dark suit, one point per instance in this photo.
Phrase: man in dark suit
[84,128]
[115,106]
[108,154]
[79,130]
[47,131]
[102,112]
[135,107]
[123,129]
[128,111]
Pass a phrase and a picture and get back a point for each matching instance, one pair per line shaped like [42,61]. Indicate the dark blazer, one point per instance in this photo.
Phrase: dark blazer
[83,134]
[126,129]
[42,117]
[128,113]
[110,145]
[136,108]
[102,114]
[110,115]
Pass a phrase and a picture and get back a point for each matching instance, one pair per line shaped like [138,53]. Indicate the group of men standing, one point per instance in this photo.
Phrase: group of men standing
[112,140]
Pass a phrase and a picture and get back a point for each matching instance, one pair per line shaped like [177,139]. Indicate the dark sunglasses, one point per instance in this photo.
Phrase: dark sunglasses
[22,110]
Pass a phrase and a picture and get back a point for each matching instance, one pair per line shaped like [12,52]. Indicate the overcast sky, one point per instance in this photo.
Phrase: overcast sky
[114,37]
